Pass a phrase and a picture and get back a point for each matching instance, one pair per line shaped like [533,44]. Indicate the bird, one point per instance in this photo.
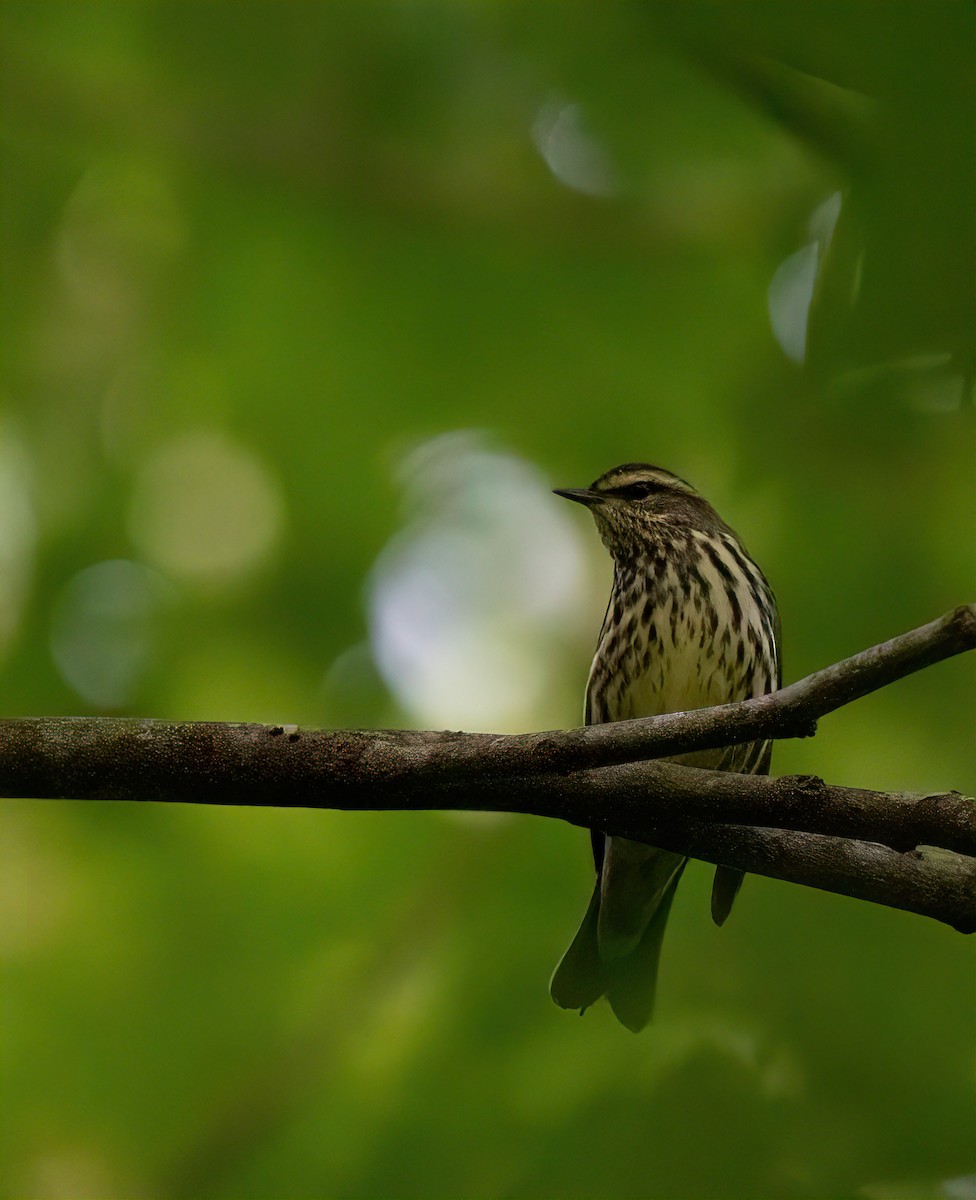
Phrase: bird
[691,622]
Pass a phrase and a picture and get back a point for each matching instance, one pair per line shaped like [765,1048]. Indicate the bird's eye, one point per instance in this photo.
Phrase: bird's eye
[635,491]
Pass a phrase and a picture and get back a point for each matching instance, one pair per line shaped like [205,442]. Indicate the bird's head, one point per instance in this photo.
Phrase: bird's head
[635,503]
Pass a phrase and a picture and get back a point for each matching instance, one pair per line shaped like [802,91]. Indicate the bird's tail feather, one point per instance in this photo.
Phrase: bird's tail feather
[580,979]
[629,982]
[725,888]
[633,980]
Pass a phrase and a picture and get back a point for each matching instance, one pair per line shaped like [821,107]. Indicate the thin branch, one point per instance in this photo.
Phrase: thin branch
[793,711]
[616,799]
[850,840]
[928,881]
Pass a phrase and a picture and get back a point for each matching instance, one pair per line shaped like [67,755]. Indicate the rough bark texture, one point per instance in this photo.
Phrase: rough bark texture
[798,828]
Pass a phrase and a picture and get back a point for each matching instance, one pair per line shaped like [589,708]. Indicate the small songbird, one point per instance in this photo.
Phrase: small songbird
[691,622]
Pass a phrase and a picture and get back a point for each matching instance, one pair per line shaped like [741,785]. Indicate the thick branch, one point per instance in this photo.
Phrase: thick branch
[109,758]
[791,828]
[711,815]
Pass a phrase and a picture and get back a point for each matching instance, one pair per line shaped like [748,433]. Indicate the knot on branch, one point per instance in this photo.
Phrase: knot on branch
[963,619]
[954,814]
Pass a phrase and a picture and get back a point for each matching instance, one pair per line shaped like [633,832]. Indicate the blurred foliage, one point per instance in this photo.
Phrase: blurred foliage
[305,307]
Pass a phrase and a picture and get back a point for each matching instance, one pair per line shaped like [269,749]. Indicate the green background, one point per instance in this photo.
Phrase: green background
[305,308]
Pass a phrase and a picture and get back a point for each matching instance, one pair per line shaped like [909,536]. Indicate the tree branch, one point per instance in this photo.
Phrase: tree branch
[849,840]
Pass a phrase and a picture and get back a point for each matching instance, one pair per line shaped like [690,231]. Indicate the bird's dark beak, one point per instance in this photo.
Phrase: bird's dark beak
[580,495]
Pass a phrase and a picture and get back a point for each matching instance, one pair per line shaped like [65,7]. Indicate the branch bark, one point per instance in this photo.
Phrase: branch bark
[849,840]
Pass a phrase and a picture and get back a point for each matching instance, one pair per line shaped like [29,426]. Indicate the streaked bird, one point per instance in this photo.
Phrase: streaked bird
[691,623]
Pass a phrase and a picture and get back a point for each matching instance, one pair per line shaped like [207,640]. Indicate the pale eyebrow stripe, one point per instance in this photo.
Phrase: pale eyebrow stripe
[667,481]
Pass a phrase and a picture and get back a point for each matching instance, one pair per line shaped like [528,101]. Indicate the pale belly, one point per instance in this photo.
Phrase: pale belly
[677,663]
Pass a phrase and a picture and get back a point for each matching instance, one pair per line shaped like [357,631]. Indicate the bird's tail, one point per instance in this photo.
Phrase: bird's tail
[629,982]
[725,888]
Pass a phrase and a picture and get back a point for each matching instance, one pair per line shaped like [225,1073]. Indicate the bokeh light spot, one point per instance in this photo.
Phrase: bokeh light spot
[790,293]
[570,151]
[469,603]
[792,286]
[206,510]
[121,226]
[17,535]
[103,631]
